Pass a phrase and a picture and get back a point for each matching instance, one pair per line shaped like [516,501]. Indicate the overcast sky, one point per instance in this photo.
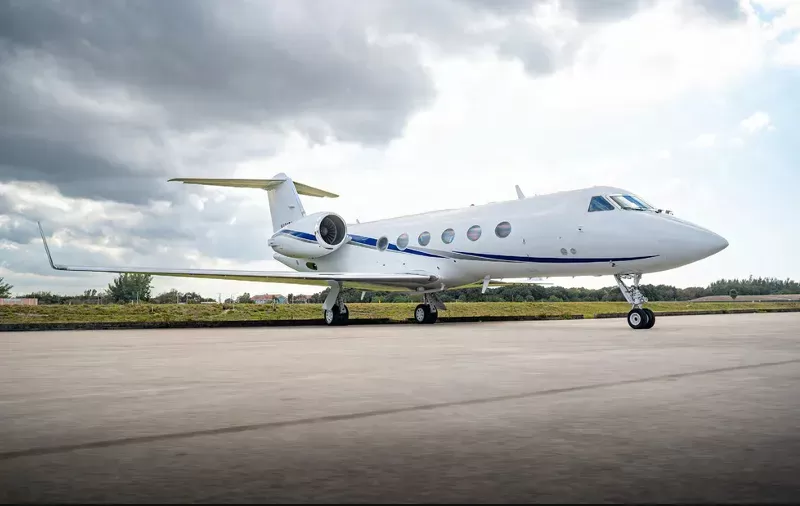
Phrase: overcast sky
[398,106]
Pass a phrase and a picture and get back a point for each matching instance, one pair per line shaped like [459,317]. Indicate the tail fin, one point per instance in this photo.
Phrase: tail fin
[283,193]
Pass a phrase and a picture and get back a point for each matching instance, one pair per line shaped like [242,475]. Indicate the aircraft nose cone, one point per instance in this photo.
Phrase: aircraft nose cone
[683,242]
[716,243]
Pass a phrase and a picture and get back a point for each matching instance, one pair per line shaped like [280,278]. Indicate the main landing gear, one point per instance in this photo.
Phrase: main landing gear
[334,310]
[428,311]
[638,317]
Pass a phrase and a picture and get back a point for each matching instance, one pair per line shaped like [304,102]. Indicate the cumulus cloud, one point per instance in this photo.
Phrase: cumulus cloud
[104,101]
[757,122]
[234,62]
[784,28]
[705,141]
[730,10]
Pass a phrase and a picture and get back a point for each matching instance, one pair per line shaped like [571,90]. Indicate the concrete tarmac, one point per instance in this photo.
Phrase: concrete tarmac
[698,409]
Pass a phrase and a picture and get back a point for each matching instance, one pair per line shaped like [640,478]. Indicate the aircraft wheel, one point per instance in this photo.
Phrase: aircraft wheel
[422,313]
[335,317]
[330,316]
[638,318]
[651,318]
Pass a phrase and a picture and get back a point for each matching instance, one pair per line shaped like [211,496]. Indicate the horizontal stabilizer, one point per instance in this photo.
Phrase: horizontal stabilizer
[263,184]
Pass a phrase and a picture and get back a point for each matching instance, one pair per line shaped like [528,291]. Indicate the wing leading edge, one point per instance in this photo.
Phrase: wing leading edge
[372,281]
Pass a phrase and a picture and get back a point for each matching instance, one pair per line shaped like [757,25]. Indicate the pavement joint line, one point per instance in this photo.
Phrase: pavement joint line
[32,452]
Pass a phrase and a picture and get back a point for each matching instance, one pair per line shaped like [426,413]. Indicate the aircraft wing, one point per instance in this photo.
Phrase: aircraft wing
[370,281]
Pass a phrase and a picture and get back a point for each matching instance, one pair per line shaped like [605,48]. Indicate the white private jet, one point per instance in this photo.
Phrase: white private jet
[589,232]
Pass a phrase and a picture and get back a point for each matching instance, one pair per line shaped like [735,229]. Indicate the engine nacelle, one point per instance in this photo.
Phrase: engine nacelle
[312,236]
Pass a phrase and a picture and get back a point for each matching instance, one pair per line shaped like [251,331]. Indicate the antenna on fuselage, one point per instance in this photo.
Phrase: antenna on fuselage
[520,195]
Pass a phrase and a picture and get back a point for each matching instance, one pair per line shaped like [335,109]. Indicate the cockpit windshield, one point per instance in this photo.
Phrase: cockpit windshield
[599,203]
[629,202]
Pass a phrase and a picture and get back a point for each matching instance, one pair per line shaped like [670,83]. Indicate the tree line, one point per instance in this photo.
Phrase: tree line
[540,293]
[132,288]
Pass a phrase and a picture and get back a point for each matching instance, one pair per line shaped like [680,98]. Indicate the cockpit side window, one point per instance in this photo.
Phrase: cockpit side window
[600,204]
[630,202]
[641,203]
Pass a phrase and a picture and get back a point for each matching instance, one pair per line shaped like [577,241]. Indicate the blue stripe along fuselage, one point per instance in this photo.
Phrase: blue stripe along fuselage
[552,260]
[372,242]
[369,241]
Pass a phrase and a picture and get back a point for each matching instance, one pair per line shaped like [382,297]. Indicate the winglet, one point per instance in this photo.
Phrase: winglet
[46,247]
[520,195]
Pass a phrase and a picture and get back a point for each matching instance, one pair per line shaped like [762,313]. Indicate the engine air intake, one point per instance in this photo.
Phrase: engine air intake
[332,230]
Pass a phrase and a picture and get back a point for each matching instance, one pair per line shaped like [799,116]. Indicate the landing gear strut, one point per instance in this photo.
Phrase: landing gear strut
[638,317]
[428,311]
[334,309]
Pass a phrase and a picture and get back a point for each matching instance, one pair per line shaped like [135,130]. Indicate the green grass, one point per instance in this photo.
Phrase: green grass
[398,311]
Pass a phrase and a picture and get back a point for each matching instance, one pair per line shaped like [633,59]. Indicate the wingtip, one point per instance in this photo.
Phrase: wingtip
[46,247]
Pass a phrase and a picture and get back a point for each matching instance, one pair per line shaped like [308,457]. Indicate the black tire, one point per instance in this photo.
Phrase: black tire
[638,318]
[329,316]
[432,317]
[422,313]
[334,316]
[651,318]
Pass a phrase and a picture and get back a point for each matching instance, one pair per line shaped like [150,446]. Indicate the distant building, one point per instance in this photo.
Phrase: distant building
[301,299]
[268,299]
[19,302]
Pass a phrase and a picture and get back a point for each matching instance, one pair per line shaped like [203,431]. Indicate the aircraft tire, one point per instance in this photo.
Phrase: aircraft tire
[432,317]
[334,317]
[638,318]
[329,316]
[651,318]
[422,313]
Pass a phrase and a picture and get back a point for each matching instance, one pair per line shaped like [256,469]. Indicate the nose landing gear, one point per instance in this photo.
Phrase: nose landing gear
[641,318]
[638,317]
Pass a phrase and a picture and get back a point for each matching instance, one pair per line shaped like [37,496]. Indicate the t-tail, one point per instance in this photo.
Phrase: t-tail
[283,194]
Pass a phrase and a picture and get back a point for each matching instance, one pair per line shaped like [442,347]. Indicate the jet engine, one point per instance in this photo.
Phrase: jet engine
[312,236]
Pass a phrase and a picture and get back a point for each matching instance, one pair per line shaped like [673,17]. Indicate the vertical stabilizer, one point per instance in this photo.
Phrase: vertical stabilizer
[284,203]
